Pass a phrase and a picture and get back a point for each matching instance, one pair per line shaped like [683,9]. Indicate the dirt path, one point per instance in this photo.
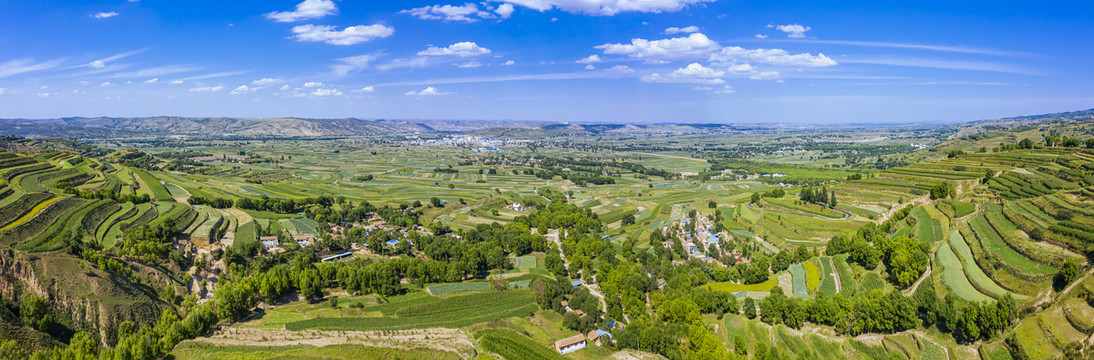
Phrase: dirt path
[834,274]
[1073,284]
[450,340]
[593,288]
[926,275]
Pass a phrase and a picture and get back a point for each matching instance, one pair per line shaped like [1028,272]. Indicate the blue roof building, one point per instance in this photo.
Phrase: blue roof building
[575,283]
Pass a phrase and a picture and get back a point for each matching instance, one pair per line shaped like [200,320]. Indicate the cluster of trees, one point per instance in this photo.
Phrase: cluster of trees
[324,212]
[819,196]
[215,202]
[113,193]
[943,190]
[777,193]
[560,214]
[905,258]
[282,206]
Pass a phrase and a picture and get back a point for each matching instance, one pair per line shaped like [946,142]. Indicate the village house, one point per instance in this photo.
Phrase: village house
[570,344]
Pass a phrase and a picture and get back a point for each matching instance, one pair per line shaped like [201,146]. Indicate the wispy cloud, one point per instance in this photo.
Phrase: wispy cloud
[944,64]
[155,72]
[22,66]
[216,75]
[618,71]
[913,46]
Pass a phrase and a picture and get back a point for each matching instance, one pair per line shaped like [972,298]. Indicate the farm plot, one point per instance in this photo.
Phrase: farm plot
[953,276]
[846,277]
[993,242]
[801,286]
[973,272]
[733,288]
[828,283]
[454,311]
[512,345]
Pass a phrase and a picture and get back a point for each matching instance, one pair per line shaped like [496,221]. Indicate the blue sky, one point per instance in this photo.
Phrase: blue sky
[555,60]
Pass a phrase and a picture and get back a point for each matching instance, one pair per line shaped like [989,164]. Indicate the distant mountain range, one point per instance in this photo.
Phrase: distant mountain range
[108,127]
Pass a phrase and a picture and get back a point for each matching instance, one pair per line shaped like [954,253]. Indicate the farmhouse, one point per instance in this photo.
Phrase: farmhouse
[304,240]
[570,344]
[269,242]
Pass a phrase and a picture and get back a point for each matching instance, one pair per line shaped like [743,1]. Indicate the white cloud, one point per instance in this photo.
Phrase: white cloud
[348,36]
[266,81]
[312,84]
[98,64]
[207,89]
[505,10]
[702,88]
[736,54]
[742,69]
[105,15]
[428,91]
[151,81]
[285,87]
[620,69]
[589,59]
[326,92]
[353,63]
[20,66]
[176,82]
[725,90]
[675,30]
[106,84]
[460,49]
[469,64]
[695,45]
[590,67]
[465,12]
[509,63]
[761,36]
[607,7]
[309,9]
[366,89]
[766,75]
[694,73]
[243,89]
[794,30]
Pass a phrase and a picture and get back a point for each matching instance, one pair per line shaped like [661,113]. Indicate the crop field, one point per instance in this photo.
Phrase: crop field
[733,288]
[201,351]
[801,287]
[812,276]
[846,277]
[953,276]
[993,242]
[973,272]
[454,311]
[512,345]
[829,276]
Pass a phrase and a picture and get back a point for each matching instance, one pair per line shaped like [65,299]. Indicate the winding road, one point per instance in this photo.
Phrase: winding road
[593,288]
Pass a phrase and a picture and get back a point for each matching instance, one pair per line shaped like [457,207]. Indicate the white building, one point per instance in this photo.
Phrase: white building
[570,344]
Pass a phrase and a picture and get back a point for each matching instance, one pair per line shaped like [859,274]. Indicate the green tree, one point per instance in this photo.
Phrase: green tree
[35,312]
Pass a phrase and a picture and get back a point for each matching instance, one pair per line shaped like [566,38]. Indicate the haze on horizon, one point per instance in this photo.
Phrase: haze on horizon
[691,61]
